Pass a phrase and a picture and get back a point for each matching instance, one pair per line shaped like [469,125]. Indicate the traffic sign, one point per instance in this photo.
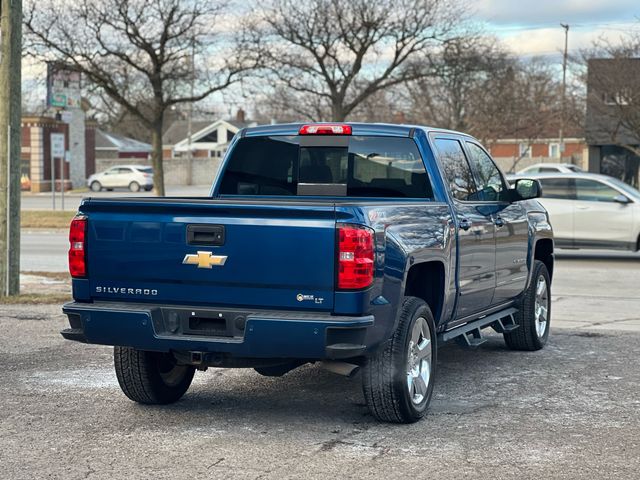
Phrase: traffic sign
[57,145]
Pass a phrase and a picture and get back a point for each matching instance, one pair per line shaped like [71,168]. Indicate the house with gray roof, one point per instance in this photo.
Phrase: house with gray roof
[209,139]
[111,145]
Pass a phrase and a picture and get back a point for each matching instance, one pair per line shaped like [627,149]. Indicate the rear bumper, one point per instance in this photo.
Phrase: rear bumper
[258,334]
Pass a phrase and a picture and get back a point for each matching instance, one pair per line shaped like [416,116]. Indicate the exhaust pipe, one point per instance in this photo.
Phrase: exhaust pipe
[341,368]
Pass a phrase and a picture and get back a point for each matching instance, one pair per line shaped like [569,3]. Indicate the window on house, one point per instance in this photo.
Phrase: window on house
[554,150]
[525,150]
[621,97]
[230,135]
[211,137]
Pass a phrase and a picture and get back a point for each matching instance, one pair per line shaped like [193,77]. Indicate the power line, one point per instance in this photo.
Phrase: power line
[542,26]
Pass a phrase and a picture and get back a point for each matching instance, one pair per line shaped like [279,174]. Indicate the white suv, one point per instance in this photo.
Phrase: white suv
[591,211]
[133,177]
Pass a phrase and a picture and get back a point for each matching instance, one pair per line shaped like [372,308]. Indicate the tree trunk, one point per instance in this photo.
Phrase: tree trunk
[10,142]
[156,158]
[337,112]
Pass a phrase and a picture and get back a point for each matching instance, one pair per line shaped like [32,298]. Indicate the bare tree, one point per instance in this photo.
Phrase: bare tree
[139,53]
[463,81]
[332,55]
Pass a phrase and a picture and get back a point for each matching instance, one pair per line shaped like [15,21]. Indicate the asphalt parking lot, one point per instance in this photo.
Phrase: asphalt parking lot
[569,411]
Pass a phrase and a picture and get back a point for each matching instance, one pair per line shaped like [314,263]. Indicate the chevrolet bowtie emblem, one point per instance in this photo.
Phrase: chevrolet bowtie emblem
[204,260]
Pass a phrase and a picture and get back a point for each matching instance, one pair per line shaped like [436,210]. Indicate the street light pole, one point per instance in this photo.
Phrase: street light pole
[564,88]
[10,143]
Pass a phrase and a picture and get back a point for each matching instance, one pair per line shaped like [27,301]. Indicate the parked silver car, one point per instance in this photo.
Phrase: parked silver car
[591,211]
[133,177]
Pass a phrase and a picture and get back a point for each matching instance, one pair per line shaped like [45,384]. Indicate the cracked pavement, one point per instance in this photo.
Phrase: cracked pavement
[571,410]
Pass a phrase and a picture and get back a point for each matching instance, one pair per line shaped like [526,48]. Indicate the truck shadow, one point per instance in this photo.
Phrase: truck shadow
[311,397]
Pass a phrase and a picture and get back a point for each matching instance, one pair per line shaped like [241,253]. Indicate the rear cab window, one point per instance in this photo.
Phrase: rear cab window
[326,165]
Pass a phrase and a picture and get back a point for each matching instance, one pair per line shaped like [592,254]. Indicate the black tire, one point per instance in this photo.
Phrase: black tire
[152,378]
[96,186]
[532,335]
[385,381]
[134,187]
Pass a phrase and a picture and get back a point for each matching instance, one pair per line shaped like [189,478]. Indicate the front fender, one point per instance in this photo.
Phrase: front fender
[539,230]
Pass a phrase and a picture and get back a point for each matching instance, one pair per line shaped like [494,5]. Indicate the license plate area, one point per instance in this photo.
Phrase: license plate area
[209,323]
[216,326]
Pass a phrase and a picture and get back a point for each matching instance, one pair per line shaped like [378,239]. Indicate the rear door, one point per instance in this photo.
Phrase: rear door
[124,177]
[476,230]
[110,178]
[599,220]
[511,226]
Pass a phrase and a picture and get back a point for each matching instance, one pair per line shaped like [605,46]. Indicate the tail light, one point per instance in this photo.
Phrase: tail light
[355,257]
[78,247]
[325,129]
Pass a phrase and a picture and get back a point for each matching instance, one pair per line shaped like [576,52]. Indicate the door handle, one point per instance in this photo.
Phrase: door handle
[581,207]
[464,223]
[499,222]
[210,235]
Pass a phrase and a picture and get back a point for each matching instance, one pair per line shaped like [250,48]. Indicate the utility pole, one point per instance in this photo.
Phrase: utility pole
[563,115]
[10,143]
[190,114]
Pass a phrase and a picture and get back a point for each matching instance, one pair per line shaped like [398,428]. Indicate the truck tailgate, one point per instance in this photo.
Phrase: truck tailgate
[277,254]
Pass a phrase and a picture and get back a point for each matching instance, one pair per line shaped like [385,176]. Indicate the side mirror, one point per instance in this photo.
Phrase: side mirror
[526,189]
[621,199]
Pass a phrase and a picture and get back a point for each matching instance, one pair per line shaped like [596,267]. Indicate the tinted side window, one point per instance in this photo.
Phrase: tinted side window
[491,185]
[594,191]
[457,171]
[547,170]
[561,188]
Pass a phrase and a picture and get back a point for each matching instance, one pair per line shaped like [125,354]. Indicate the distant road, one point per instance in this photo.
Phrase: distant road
[42,201]
[43,251]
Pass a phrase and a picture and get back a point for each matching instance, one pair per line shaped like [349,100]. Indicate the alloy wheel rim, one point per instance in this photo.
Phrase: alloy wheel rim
[419,359]
[541,307]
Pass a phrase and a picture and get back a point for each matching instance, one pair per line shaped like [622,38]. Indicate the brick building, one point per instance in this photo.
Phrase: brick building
[35,160]
[613,118]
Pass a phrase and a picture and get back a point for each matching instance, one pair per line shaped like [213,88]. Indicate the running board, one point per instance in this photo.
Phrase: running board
[470,334]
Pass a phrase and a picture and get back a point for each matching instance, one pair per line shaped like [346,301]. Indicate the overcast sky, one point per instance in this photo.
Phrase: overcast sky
[533,27]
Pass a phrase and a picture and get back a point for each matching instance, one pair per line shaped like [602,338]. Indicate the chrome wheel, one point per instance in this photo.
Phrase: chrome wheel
[541,308]
[419,361]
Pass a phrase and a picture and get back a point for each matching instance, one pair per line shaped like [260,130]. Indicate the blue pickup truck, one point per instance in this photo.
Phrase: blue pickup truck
[358,246]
